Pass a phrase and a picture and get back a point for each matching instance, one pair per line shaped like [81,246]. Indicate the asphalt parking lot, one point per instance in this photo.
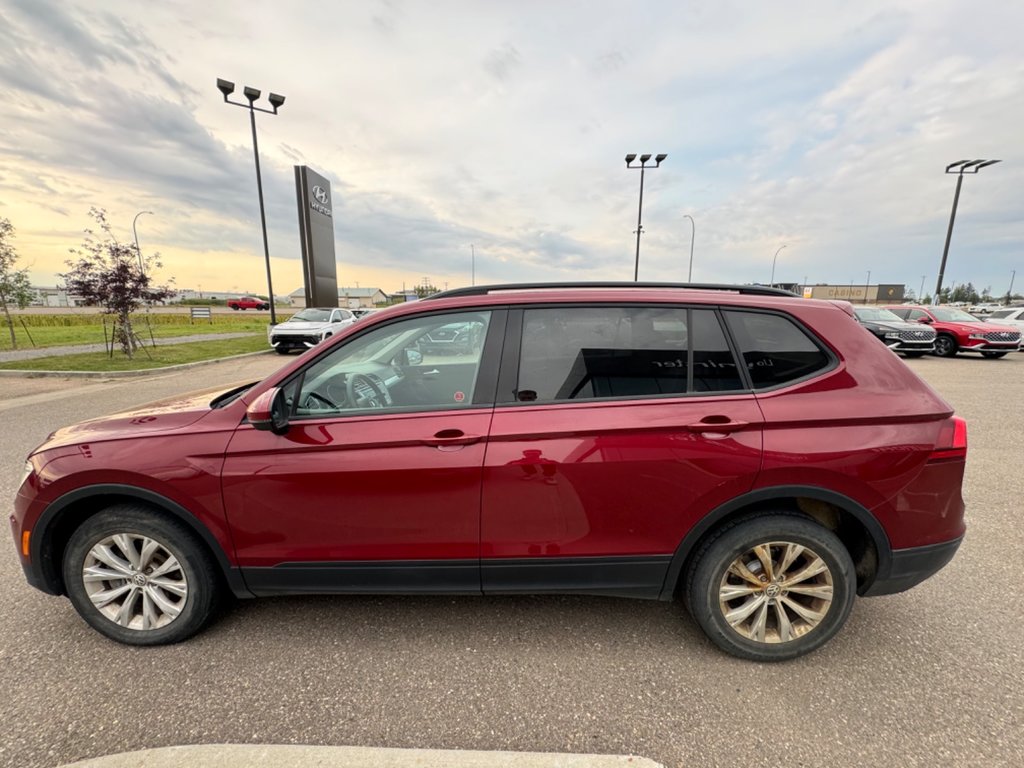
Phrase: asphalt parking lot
[931,677]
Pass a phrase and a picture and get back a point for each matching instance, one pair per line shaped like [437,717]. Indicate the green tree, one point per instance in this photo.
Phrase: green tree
[15,287]
[426,289]
[108,274]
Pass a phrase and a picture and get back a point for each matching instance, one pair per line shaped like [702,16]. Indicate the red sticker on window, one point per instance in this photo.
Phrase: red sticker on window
[460,396]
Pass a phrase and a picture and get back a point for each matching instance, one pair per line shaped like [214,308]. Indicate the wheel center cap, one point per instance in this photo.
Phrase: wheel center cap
[773,590]
[140,579]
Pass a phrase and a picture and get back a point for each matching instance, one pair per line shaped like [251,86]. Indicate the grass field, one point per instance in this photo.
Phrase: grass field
[169,354]
[60,330]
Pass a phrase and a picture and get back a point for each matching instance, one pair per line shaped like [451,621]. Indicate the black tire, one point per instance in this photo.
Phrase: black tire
[913,354]
[946,346]
[993,355]
[196,569]
[708,571]
[234,307]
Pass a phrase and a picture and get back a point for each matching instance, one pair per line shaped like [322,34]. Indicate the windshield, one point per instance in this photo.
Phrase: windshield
[950,315]
[876,314]
[313,315]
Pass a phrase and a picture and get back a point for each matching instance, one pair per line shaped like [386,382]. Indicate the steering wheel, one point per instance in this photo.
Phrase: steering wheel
[315,399]
[364,392]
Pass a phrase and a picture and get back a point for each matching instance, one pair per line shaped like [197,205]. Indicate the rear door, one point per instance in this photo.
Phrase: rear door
[616,429]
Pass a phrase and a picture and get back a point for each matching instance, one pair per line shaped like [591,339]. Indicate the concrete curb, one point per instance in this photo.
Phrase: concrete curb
[124,374]
[270,756]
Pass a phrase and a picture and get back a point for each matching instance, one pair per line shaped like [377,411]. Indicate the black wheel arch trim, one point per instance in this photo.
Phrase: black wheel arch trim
[761,495]
[41,554]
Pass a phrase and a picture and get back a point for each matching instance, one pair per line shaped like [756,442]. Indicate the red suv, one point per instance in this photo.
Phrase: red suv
[957,331]
[248,302]
[757,455]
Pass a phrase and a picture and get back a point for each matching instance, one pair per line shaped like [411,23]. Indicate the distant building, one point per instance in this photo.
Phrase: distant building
[883,293]
[55,296]
[350,298]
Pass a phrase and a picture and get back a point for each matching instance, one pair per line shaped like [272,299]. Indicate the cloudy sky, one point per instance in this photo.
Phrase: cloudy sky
[824,127]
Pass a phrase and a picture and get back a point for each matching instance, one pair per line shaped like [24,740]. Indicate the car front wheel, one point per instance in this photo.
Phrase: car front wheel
[140,578]
[945,346]
[772,587]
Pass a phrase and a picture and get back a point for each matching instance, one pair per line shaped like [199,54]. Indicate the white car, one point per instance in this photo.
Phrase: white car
[308,328]
[1012,316]
[984,309]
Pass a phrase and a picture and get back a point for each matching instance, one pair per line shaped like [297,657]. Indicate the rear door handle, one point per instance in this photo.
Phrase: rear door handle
[717,424]
[450,437]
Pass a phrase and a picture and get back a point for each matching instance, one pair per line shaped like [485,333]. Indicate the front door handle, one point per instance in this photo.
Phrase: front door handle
[717,423]
[450,437]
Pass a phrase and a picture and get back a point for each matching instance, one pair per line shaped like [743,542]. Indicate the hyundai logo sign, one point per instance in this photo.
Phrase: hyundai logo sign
[322,201]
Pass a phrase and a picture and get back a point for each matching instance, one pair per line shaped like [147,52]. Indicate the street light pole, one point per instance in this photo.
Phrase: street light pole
[867,284]
[1009,291]
[960,167]
[472,264]
[640,209]
[226,87]
[693,236]
[772,281]
[135,232]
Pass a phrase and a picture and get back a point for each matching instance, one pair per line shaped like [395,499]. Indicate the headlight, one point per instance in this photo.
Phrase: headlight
[977,336]
[892,335]
[25,473]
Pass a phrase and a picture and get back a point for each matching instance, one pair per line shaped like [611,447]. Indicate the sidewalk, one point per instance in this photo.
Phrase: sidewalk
[12,355]
[263,756]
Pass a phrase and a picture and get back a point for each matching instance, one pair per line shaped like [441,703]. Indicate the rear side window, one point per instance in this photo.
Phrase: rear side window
[584,353]
[774,348]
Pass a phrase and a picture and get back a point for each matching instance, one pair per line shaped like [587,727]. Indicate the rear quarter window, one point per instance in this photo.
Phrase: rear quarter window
[775,349]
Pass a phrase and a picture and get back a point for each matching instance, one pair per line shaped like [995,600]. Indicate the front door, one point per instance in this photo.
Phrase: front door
[375,486]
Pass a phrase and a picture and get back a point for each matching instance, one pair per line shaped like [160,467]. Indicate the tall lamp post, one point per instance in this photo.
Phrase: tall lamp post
[960,167]
[640,209]
[776,256]
[867,283]
[920,294]
[693,236]
[251,94]
[136,233]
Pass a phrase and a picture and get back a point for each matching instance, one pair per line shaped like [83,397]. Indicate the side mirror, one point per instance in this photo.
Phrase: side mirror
[926,320]
[267,412]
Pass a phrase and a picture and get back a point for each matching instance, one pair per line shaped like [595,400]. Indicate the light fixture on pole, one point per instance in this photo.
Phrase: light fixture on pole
[135,232]
[226,87]
[772,281]
[640,209]
[693,236]
[960,167]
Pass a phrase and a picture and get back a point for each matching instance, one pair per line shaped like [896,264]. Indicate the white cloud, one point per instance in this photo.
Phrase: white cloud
[823,127]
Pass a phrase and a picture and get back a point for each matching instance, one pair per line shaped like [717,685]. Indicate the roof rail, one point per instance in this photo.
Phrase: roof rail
[483,290]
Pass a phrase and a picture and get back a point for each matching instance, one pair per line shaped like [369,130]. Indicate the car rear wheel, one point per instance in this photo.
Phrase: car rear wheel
[140,578]
[945,346]
[993,355]
[771,587]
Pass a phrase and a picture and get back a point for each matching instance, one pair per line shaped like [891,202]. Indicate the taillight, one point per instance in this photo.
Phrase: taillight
[952,442]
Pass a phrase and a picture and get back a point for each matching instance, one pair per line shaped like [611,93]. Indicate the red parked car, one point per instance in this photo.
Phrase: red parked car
[248,302]
[757,455]
[957,331]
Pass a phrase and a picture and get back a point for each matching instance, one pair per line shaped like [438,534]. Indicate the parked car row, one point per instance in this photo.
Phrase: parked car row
[957,331]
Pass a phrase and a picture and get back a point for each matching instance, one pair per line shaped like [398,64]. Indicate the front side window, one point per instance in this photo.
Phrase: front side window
[774,348]
[400,366]
[585,353]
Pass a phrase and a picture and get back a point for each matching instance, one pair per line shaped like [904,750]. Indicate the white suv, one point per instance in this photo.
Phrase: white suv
[308,328]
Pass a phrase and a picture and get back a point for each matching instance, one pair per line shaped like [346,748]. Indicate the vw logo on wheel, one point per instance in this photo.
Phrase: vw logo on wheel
[321,195]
